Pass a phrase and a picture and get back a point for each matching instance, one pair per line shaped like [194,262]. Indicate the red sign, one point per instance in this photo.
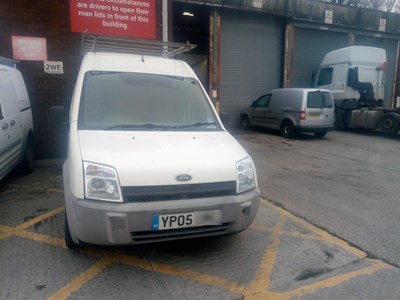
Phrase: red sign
[114,17]
[29,48]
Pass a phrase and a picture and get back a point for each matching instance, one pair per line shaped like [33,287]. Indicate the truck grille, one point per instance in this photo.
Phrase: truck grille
[178,192]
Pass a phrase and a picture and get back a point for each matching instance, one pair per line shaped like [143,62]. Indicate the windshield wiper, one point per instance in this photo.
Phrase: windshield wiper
[198,124]
[136,126]
[157,127]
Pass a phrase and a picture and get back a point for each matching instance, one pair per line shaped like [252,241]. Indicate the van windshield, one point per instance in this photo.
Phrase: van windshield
[319,99]
[136,101]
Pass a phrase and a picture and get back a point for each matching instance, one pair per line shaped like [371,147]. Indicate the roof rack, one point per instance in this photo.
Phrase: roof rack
[102,43]
[8,62]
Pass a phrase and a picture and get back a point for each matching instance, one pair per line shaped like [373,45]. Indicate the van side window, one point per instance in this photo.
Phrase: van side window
[319,100]
[1,113]
[263,101]
[325,76]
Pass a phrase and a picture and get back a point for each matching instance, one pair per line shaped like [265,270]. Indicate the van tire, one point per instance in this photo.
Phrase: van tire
[320,134]
[389,124]
[27,165]
[288,130]
[67,236]
[245,123]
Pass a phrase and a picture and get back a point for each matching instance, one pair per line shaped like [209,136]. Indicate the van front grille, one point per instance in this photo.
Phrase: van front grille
[160,235]
[178,192]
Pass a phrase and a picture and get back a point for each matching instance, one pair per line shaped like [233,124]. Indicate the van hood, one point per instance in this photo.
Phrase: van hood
[156,158]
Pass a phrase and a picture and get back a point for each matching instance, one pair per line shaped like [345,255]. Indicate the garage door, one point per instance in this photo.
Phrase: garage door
[251,53]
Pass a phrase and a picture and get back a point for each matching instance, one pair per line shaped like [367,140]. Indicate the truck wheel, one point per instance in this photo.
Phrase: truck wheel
[27,165]
[389,124]
[245,123]
[67,235]
[320,134]
[288,130]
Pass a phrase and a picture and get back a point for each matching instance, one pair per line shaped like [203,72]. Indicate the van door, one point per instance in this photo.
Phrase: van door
[319,109]
[10,124]
[260,114]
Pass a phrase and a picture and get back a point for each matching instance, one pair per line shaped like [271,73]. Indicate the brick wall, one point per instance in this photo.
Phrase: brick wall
[49,19]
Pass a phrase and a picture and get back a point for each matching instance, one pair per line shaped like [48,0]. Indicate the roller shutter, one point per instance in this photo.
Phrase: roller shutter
[251,58]
[310,47]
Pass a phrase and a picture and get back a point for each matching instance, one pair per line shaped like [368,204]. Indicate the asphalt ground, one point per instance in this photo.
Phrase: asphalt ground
[280,256]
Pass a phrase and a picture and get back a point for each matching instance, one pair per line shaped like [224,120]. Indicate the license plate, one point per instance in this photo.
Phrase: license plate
[314,115]
[185,220]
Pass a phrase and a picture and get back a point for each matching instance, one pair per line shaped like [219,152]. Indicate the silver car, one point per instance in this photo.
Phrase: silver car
[292,111]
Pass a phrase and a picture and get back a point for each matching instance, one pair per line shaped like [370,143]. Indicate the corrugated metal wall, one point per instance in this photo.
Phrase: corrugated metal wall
[310,46]
[251,58]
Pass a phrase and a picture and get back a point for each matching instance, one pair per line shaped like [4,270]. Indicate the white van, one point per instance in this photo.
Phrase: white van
[148,158]
[292,110]
[16,126]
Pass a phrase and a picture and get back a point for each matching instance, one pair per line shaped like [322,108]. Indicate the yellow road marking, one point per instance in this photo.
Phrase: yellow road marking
[307,236]
[258,288]
[262,278]
[184,273]
[7,231]
[325,235]
[376,265]
[81,279]
[54,241]
[40,218]
[17,187]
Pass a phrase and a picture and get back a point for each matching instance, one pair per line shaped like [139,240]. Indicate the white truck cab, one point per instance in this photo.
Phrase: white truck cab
[16,126]
[356,77]
[148,157]
[342,69]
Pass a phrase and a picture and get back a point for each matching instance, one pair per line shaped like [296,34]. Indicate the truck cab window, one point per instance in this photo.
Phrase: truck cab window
[325,76]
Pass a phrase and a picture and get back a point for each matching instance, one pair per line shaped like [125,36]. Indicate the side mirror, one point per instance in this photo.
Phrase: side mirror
[253,104]
[56,116]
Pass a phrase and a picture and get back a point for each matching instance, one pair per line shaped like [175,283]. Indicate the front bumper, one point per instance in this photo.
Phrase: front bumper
[104,223]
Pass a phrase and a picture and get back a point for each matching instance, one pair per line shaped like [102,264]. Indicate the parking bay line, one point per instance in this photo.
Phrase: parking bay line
[323,234]
[376,265]
[248,292]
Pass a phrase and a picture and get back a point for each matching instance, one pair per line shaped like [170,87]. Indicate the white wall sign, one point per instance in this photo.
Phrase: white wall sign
[53,67]
[328,16]
[382,24]
[258,3]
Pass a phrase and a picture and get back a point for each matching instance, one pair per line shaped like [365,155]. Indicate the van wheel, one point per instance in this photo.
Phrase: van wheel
[320,134]
[67,235]
[288,130]
[28,160]
[389,124]
[245,123]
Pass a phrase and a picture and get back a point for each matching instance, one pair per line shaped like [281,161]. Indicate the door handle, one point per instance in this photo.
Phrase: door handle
[4,126]
[12,122]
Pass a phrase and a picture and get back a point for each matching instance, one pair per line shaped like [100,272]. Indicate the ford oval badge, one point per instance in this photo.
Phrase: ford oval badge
[183,177]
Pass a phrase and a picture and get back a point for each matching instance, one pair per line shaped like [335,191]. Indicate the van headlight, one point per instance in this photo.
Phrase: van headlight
[101,183]
[245,174]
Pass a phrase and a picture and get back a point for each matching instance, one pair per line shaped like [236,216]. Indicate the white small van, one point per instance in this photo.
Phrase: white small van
[148,157]
[292,110]
[16,126]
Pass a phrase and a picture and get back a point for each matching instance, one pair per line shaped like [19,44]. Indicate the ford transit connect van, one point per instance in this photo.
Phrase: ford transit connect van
[148,158]
[292,111]
[16,126]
